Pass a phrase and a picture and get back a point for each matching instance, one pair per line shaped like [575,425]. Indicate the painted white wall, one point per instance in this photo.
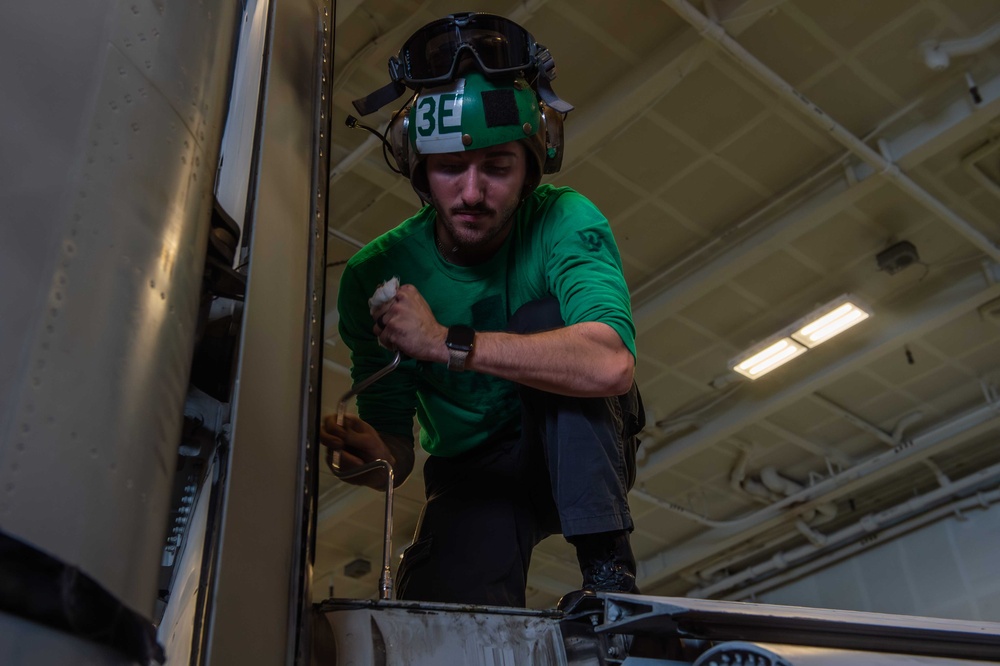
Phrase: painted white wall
[947,569]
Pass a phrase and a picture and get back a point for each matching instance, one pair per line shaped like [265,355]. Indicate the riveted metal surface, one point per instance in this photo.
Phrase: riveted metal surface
[95,406]
[177,49]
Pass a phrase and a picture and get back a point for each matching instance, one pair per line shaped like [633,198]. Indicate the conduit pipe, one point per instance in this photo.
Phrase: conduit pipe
[738,480]
[682,510]
[937,55]
[710,573]
[895,438]
[896,456]
[772,487]
[815,538]
[775,482]
[716,34]
[854,419]
[981,500]
[866,525]
[903,423]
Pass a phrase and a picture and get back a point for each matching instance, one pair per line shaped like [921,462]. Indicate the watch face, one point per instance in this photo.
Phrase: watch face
[461,337]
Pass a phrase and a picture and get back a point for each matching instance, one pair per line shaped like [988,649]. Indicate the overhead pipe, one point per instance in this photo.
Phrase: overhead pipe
[739,482]
[955,298]
[682,510]
[710,573]
[866,525]
[884,463]
[905,422]
[775,482]
[937,55]
[891,439]
[981,500]
[707,574]
[817,539]
[896,456]
[716,34]
[772,486]
[826,512]
[874,430]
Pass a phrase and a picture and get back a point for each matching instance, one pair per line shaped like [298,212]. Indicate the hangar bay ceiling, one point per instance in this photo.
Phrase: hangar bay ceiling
[756,159]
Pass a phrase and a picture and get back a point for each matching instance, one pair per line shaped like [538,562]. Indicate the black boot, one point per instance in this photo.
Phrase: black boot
[607,564]
[606,561]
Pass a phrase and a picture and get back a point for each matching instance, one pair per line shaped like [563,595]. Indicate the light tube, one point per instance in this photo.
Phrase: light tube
[773,356]
[829,324]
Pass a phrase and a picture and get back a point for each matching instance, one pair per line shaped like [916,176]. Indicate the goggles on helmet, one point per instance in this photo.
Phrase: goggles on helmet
[498,45]
[431,54]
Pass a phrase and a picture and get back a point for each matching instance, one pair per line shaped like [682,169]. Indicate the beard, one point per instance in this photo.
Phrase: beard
[475,237]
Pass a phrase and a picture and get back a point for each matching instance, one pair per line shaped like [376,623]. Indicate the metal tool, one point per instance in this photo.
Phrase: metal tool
[333,462]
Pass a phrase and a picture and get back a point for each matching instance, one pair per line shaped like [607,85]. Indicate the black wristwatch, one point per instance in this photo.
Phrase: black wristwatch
[460,341]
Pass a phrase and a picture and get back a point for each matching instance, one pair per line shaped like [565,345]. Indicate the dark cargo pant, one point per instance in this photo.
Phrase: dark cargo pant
[486,509]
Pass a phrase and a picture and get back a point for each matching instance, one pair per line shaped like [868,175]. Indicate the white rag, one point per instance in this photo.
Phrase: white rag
[385,293]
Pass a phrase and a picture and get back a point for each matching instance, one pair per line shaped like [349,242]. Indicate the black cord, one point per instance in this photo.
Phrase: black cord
[353,123]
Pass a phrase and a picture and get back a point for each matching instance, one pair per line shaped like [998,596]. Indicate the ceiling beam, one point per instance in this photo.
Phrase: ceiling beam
[727,255]
[880,163]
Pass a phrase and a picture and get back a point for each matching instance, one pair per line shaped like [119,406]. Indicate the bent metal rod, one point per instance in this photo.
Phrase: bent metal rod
[333,462]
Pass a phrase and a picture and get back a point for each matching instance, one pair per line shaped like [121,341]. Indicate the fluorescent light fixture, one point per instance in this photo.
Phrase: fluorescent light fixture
[828,321]
[819,326]
[769,358]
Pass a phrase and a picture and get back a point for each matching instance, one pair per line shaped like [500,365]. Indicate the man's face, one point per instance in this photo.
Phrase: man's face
[475,193]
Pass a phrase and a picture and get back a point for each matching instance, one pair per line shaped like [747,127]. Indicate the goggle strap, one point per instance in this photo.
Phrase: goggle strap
[550,97]
[374,101]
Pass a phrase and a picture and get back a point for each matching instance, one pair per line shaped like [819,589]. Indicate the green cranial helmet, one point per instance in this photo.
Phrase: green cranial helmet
[474,112]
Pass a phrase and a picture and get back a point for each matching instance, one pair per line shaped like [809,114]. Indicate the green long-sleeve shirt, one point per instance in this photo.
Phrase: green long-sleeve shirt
[560,245]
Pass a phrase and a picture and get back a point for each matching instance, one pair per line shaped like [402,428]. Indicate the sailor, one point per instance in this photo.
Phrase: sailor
[514,321]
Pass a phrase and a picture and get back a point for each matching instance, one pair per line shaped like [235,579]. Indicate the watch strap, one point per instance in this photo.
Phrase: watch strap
[456,359]
[460,341]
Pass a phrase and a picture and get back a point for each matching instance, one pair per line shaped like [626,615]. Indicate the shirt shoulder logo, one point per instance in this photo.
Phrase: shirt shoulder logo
[591,240]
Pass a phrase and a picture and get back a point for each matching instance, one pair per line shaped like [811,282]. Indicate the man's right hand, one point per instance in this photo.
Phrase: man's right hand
[359,444]
[407,323]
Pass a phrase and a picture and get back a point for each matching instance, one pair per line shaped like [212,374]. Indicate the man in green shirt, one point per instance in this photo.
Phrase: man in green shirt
[514,321]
